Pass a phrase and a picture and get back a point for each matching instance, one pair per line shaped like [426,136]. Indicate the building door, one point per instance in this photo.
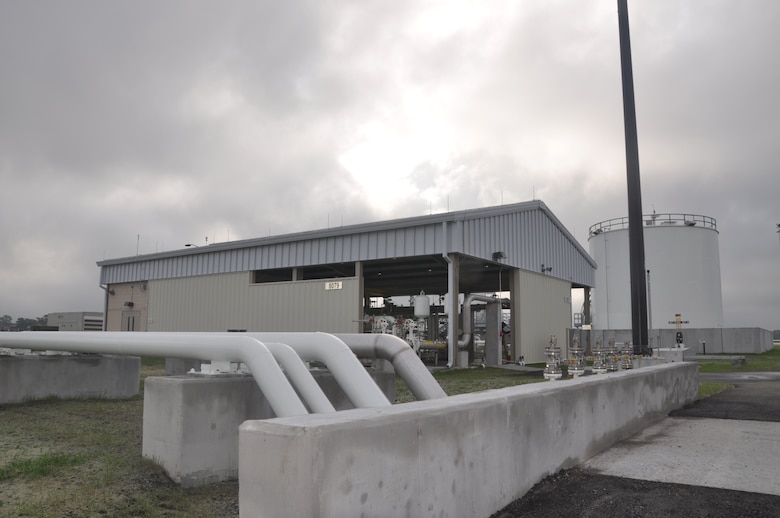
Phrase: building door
[131,321]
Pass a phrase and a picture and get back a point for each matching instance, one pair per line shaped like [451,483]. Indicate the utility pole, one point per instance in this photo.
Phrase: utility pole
[636,239]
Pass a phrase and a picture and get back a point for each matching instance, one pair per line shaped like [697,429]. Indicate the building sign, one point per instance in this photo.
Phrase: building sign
[333,285]
[678,321]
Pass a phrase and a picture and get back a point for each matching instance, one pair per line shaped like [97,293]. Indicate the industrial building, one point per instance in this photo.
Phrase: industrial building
[328,280]
[75,321]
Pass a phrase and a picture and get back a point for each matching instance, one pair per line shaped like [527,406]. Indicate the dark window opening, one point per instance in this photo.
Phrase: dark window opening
[328,271]
[274,275]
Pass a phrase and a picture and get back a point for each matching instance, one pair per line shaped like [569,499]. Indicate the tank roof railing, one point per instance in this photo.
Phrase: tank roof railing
[655,219]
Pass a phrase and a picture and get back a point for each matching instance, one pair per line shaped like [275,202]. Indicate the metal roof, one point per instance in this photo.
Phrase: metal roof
[528,234]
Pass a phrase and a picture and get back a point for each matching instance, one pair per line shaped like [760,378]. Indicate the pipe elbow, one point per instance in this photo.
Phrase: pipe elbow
[388,347]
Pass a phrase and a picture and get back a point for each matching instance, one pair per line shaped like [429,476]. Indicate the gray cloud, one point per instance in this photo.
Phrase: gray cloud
[176,121]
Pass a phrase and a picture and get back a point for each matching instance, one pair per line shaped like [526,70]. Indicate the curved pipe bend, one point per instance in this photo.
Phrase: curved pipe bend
[301,378]
[405,362]
[326,348]
[464,341]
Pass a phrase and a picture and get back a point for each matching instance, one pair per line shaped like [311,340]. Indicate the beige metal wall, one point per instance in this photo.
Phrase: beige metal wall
[127,303]
[231,301]
[541,306]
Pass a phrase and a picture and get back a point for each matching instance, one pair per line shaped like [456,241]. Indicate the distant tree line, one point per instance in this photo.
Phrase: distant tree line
[21,323]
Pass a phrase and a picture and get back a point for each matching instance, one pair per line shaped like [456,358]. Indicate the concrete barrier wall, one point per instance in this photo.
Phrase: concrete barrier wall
[29,377]
[726,340]
[467,455]
[190,423]
[746,340]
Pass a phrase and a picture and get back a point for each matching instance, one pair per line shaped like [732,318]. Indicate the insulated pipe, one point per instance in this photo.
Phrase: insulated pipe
[350,374]
[301,378]
[405,362]
[356,383]
[269,377]
[464,342]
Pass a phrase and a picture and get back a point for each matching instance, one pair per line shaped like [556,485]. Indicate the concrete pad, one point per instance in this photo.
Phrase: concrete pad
[726,454]
[190,423]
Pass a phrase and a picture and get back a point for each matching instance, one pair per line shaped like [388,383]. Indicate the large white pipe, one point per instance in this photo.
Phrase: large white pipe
[405,362]
[350,374]
[325,348]
[464,341]
[223,347]
[301,378]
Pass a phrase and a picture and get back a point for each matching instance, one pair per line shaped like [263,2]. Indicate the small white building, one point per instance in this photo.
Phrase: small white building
[76,321]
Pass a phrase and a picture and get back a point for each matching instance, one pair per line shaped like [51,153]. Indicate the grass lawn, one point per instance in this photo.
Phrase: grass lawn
[462,381]
[764,362]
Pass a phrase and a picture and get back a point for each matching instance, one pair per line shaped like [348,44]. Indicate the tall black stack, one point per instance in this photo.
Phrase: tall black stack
[635,231]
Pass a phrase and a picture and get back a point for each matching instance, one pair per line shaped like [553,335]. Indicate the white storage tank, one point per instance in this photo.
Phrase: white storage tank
[683,258]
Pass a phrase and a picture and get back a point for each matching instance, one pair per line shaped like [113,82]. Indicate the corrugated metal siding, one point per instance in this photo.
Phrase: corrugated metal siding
[528,234]
[541,307]
[404,242]
[529,239]
[230,301]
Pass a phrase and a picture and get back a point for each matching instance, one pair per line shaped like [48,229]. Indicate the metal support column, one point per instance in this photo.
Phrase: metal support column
[453,327]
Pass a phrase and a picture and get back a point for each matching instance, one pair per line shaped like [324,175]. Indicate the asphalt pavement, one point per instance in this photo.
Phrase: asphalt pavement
[730,440]
[717,457]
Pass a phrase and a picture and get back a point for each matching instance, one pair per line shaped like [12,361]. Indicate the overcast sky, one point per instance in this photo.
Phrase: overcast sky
[179,121]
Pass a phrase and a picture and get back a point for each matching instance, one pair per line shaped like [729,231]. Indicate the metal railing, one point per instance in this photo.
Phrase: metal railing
[653,220]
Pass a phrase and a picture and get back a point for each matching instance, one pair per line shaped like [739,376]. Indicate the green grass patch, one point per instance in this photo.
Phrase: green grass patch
[708,388]
[715,366]
[151,366]
[152,362]
[39,466]
[463,381]
[764,362]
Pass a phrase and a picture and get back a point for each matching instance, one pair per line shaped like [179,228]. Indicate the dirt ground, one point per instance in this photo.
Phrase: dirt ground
[583,493]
